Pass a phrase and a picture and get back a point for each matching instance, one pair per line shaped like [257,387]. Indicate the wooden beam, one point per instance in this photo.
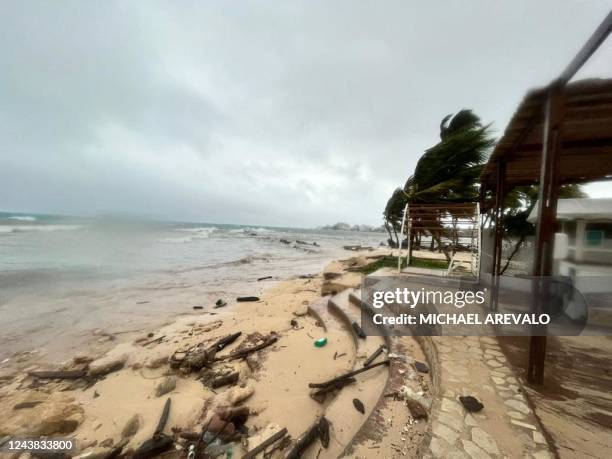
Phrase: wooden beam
[498,215]
[594,42]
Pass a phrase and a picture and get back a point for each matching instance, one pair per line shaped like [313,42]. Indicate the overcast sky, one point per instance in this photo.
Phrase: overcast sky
[281,113]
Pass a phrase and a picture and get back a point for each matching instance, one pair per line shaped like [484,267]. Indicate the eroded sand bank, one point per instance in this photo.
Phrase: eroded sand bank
[134,379]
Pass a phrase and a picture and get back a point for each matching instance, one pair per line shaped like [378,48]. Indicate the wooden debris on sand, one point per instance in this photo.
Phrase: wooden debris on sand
[320,429]
[224,380]
[347,375]
[374,355]
[60,374]
[268,442]
[159,442]
[241,353]
[243,299]
[321,394]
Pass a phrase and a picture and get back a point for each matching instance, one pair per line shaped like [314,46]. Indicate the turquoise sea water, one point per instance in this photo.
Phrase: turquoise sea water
[66,276]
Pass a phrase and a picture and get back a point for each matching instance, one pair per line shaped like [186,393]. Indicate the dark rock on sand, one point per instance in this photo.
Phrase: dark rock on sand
[471,403]
[220,303]
[417,409]
[421,367]
[359,405]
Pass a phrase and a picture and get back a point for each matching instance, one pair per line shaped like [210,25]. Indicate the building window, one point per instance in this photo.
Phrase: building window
[594,238]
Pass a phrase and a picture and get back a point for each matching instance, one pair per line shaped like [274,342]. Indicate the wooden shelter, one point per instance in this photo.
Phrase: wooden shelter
[559,134]
[454,225]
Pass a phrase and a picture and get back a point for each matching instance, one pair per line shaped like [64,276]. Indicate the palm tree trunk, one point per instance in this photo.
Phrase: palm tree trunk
[514,252]
[442,249]
[388,230]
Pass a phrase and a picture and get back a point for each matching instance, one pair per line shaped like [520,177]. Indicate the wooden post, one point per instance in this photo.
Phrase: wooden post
[500,190]
[401,241]
[410,235]
[547,218]
[478,241]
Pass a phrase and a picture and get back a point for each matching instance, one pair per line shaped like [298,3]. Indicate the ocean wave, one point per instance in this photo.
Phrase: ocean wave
[35,228]
[249,259]
[250,231]
[199,230]
[22,218]
[194,234]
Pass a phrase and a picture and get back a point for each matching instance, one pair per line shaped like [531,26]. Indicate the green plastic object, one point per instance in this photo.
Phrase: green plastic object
[320,342]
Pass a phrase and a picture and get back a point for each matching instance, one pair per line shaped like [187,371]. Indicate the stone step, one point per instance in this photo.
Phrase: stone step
[368,389]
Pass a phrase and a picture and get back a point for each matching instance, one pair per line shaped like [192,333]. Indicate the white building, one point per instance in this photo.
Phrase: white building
[583,246]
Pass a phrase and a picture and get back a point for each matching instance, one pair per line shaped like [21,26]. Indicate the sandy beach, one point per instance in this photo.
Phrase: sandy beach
[131,376]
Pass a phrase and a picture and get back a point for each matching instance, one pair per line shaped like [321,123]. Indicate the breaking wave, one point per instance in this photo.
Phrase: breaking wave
[35,228]
[193,234]
[22,218]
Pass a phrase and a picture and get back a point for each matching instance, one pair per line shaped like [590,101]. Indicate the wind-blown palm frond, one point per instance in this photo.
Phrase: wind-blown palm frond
[449,171]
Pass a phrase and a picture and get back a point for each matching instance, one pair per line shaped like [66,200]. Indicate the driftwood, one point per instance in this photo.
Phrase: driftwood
[320,429]
[264,278]
[304,442]
[224,380]
[25,405]
[163,418]
[198,357]
[279,446]
[61,374]
[376,353]
[358,331]
[153,447]
[357,247]
[324,432]
[117,449]
[346,375]
[270,441]
[321,394]
[243,353]
[156,340]
[190,436]
[160,442]
[226,341]
[242,299]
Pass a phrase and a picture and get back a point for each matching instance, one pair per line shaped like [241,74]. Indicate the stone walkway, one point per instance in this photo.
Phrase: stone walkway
[506,427]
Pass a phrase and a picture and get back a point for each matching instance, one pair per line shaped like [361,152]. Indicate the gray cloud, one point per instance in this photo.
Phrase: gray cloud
[285,113]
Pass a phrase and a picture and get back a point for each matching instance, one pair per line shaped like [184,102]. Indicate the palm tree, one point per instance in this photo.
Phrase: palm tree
[393,214]
[449,171]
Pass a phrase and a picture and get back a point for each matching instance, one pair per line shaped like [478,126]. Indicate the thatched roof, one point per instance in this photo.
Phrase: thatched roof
[586,139]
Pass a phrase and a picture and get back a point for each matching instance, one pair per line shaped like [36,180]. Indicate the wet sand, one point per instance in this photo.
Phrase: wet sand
[273,381]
